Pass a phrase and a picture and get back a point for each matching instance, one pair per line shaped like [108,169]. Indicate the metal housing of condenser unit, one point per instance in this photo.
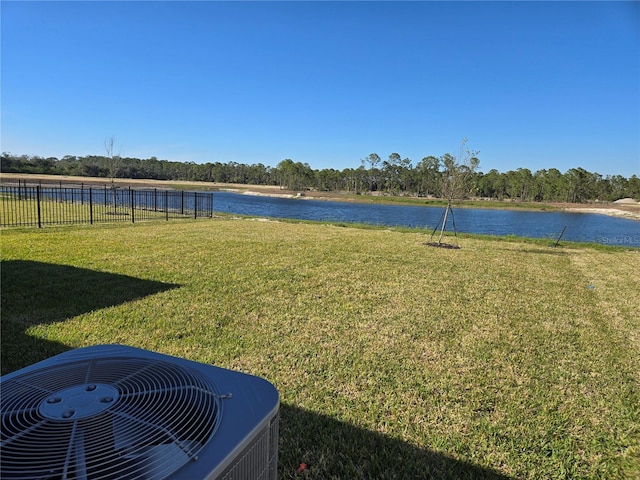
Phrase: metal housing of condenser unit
[116,412]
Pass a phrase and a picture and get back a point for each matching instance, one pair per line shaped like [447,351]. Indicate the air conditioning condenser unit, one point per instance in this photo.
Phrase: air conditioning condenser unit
[112,412]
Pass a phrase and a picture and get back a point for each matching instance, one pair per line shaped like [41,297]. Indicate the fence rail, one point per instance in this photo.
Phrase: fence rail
[37,206]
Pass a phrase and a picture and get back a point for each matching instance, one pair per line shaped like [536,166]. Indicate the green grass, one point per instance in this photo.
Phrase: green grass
[504,359]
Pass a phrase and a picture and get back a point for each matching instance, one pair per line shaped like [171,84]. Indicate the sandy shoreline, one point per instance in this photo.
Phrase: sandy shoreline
[613,212]
[623,210]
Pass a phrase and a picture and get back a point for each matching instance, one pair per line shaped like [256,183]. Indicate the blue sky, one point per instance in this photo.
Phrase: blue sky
[529,84]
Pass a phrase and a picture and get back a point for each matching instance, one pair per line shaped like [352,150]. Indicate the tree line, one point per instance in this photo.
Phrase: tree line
[393,176]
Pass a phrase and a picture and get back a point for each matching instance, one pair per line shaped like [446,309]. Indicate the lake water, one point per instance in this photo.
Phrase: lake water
[580,227]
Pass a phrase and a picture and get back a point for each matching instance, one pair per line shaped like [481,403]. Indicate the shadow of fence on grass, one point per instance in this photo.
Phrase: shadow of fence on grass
[35,293]
[316,446]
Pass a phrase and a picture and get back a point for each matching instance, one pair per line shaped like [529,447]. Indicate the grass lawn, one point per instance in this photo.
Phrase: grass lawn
[504,359]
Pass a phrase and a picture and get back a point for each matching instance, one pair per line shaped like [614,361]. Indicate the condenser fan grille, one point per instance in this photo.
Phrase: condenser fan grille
[110,418]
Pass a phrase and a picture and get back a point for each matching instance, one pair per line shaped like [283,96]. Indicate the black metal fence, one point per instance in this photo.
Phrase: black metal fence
[37,205]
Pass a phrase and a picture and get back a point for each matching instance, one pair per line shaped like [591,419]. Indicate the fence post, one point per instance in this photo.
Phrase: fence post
[38,202]
[182,202]
[133,220]
[166,204]
[90,206]
[195,205]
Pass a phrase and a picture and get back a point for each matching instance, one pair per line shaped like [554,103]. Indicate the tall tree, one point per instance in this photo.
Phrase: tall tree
[406,173]
[374,160]
[391,171]
[429,168]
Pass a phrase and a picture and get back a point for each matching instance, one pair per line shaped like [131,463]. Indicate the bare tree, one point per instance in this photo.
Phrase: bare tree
[458,173]
[112,158]
[113,167]
[457,180]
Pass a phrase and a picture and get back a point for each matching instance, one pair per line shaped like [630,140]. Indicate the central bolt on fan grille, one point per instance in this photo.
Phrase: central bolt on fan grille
[112,418]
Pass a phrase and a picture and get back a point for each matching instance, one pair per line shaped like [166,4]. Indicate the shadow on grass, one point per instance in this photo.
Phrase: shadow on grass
[331,449]
[35,293]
